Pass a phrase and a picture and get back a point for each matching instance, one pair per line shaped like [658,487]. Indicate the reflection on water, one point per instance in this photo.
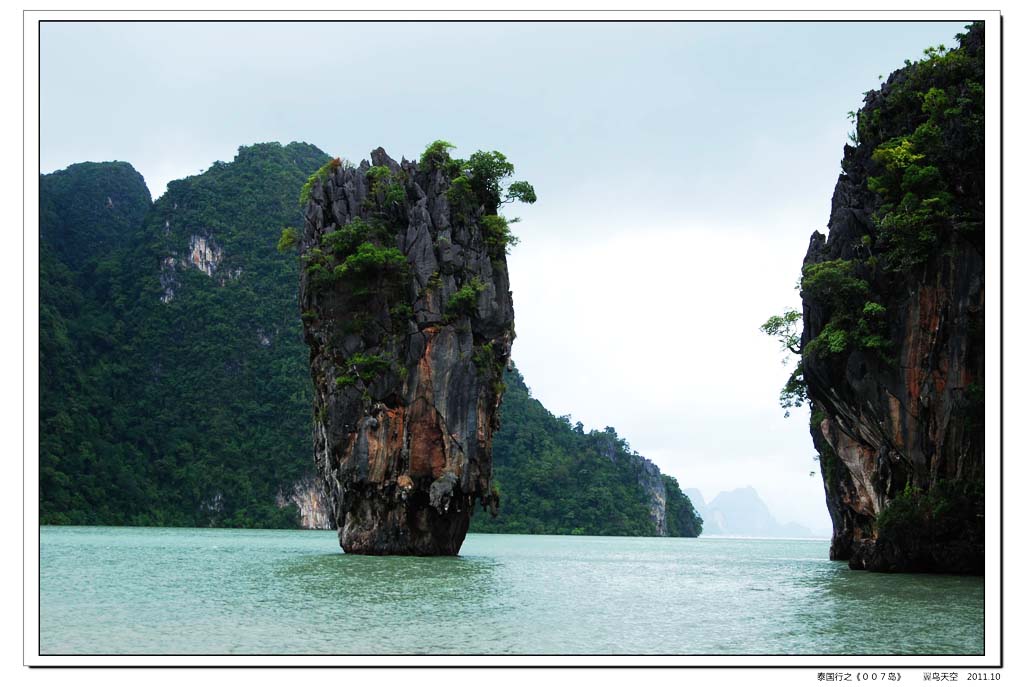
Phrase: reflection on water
[368,578]
[935,614]
[141,590]
[394,604]
[408,594]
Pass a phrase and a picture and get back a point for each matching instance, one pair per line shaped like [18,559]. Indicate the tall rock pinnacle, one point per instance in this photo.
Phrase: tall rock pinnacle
[408,315]
[893,344]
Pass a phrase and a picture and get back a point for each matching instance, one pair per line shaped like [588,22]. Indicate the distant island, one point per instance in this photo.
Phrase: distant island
[742,513]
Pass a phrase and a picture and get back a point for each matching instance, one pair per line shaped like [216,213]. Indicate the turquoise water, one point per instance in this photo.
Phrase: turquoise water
[112,590]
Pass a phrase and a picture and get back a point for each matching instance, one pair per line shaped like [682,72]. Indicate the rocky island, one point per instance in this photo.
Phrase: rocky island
[892,347]
[406,307]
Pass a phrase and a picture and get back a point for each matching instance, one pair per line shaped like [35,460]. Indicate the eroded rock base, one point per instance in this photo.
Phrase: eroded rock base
[407,525]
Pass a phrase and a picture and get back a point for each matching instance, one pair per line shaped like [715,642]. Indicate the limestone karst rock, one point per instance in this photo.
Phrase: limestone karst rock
[408,315]
[893,310]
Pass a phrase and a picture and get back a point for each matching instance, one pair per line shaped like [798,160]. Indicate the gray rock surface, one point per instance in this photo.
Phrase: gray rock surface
[307,494]
[900,432]
[406,385]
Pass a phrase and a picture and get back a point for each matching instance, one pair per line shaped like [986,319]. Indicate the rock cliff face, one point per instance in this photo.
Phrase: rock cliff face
[893,339]
[408,316]
[648,477]
[650,480]
[307,494]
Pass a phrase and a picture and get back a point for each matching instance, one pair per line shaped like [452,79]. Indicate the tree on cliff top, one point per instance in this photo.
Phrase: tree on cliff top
[485,174]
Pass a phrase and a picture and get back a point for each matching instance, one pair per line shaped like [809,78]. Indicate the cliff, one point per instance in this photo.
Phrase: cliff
[307,495]
[645,473]
[893,311]
[408,316]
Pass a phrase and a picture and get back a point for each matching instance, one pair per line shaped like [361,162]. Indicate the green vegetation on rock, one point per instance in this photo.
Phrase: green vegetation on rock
[289,239]
[480,183]
[927,140]
[920,524]
[681,518]
[463,302]
[922,134]
[89,210]
[317,177]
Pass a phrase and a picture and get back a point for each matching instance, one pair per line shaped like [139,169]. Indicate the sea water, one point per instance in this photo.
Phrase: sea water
[113,590]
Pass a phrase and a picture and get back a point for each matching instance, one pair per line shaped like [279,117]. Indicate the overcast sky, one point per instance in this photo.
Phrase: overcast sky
[680,170]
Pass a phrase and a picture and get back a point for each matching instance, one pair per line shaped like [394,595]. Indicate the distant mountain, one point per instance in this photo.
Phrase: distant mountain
[741,512]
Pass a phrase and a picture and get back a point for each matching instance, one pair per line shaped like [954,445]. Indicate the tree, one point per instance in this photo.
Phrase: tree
[787,330]
[289,239]
[486,172]
[521,191]
[436,153]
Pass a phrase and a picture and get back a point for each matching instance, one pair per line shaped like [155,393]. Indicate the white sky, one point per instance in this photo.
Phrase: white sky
[680,169]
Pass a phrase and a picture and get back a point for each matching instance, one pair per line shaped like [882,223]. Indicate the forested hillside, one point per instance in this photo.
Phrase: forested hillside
[88,213]
[555,478]
[192,407]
